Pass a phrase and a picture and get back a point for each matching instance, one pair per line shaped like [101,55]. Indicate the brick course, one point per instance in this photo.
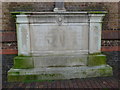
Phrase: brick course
[110,21]
[110,26]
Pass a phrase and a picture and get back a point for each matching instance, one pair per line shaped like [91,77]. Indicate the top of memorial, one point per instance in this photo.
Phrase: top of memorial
[66,12]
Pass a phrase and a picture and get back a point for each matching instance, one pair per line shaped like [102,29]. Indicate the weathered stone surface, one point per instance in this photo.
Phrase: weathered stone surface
[59,45]
[96,60]
[59,33]
[58,73]
[60,60]
[23,62]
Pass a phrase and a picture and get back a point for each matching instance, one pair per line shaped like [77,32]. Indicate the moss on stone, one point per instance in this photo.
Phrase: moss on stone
[96,60]
[107,71]
[17,13]
[97,12]
[103,71]
[85,72]
[23,62]
[21,78]
[95,53]
[33,78]
[13,73]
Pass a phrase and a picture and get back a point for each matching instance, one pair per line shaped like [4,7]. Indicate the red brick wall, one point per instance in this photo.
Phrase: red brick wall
[110,30]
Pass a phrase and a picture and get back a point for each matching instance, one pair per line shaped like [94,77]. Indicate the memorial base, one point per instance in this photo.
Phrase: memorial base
[26,69]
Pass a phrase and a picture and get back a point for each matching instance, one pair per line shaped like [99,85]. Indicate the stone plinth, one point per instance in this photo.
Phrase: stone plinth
[53,45]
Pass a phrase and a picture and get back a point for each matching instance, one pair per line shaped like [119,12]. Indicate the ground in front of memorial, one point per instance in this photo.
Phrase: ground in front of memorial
[97,82]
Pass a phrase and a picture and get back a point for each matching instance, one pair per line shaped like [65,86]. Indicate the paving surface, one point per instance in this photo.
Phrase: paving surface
[102,82]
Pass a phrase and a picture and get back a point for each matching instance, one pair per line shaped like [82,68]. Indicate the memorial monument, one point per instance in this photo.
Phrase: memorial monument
[59,45]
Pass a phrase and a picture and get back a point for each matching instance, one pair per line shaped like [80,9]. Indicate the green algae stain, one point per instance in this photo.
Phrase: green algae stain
[96,60]
[97,12]
[23,62]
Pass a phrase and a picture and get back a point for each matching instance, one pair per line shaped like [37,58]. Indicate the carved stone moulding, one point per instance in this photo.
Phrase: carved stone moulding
[59,45]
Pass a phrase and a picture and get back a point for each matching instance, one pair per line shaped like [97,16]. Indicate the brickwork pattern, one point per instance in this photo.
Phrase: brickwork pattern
[109,83]
[110,43]
[7,63]
[113,60]
[110,21]
[8,29]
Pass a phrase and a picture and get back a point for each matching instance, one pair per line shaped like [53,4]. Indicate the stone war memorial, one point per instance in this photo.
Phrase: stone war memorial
[58,45]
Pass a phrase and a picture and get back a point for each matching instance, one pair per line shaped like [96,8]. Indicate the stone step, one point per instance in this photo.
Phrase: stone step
[60,61]
[50,61]
[24,62]
[58,73]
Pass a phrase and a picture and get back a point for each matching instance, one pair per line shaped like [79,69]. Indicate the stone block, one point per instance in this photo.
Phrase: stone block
[23,62]
[59,46]
[60,60]
[57,73]
[96,60]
